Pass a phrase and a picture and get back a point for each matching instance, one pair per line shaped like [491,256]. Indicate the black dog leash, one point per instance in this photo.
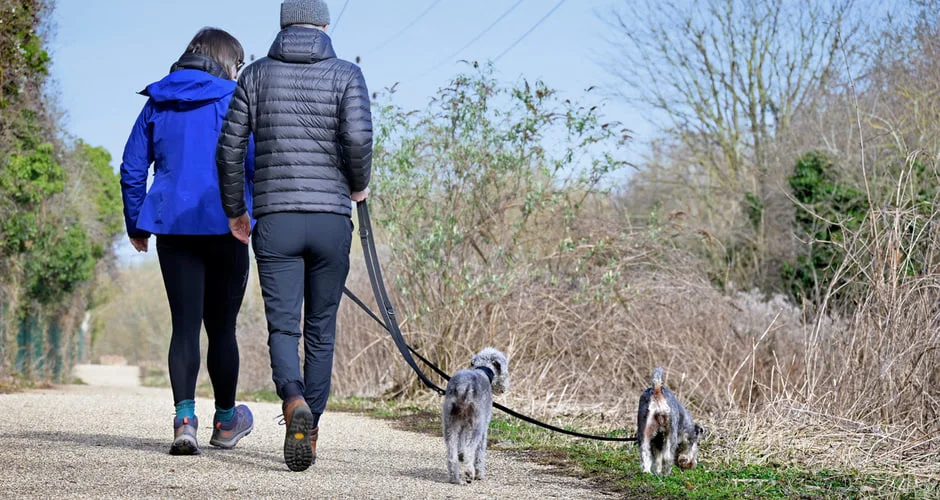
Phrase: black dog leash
[381,296]
[391,326]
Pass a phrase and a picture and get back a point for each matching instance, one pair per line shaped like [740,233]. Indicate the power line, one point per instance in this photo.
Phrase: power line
[474,40]
[524,35]
[406,28]
[340,16]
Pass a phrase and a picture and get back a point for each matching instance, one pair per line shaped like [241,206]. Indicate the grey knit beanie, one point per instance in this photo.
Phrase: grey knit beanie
[313,12]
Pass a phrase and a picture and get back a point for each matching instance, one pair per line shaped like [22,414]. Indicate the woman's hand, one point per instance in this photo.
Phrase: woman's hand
[360,195]
[141,244]
[241,227]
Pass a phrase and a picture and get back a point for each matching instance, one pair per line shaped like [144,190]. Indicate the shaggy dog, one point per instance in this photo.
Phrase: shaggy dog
[665,430]
[468,408]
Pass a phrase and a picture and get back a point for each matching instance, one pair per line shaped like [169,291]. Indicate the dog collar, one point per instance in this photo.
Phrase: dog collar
[489,373]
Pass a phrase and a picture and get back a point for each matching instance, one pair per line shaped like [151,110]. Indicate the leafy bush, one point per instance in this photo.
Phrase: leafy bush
[828,208]
[482,192]
[102,185]
[59,264]
[60,205]
[29,178]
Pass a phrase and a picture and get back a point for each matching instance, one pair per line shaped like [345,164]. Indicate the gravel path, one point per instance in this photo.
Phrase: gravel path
[85,441]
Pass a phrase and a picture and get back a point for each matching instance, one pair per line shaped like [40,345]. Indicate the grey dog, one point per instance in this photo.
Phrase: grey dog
[468,408]
[665,430]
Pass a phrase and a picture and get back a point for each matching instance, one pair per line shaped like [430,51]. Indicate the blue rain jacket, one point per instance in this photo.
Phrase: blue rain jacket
[177,132]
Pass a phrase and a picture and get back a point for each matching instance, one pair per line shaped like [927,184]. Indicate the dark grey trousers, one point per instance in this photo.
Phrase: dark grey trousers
[303,260]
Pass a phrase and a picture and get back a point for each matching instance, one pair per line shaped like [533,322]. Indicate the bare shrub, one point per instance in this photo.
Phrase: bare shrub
[723,79]
[133,318]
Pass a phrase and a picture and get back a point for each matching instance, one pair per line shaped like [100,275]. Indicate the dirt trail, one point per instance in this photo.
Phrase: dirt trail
[88,441]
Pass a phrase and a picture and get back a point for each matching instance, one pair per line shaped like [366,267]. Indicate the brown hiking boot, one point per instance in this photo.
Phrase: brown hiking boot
[300,438]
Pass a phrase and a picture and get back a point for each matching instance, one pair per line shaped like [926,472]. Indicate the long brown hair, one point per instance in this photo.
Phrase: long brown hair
[220,46]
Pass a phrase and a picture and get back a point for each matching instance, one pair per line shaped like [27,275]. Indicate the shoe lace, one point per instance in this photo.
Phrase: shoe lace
[280,419]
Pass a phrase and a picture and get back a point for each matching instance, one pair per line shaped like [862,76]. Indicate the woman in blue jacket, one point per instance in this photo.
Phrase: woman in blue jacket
[205,269]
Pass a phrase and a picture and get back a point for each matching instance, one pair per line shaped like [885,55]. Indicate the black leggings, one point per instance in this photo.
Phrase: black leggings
[205,278]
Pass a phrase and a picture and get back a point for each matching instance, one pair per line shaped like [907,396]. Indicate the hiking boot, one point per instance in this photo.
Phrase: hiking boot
[184,442]
[227,434]
[299,452]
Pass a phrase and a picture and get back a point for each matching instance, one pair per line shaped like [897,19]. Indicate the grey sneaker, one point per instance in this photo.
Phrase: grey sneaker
[227,434]
[184,442]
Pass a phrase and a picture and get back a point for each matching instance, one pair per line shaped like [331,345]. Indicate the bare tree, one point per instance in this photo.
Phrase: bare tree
[725,77]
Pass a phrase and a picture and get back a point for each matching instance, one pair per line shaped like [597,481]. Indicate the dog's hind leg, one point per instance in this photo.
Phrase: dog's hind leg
[666,459]
[658,460]
[466,456]
[646,456]
[479,464]
[452,438]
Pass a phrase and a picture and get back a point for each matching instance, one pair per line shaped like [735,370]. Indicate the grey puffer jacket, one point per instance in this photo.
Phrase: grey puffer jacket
[312,125]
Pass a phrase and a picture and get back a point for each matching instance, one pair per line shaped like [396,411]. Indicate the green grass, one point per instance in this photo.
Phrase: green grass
[615,466]
[619,467]
[262,396]
[153,376]
[204,390]
[18,383]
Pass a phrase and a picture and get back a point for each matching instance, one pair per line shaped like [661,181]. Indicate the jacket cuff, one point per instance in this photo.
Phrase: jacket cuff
[138,233]
[235,213]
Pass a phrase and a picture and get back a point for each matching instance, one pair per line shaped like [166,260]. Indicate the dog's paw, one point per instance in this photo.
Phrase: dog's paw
[467,477]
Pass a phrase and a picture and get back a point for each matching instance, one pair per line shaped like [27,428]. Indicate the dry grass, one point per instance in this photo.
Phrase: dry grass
[786,435]
[776,383]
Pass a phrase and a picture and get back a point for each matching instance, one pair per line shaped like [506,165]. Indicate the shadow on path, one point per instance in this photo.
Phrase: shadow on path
[237,457]
[432,475]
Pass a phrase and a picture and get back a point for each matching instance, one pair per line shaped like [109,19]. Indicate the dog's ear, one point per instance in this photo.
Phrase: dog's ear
[497,366]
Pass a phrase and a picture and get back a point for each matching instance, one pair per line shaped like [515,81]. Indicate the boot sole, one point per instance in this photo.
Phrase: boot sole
[298,453]
[231,442]
[184,446]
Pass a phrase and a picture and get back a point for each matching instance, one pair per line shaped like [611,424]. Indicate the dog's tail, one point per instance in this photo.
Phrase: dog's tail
[463,397]
[656,382]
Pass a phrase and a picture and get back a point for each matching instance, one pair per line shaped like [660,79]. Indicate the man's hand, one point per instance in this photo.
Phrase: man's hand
[360,195]
[241,227]
[141,244]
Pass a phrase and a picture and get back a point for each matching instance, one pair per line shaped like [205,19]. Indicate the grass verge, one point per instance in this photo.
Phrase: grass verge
[614,466]
[16,383]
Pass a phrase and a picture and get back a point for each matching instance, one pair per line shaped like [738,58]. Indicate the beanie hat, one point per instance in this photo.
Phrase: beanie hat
[313,12]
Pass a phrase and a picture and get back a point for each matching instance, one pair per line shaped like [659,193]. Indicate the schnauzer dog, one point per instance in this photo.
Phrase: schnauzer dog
[665,430]
[468,408]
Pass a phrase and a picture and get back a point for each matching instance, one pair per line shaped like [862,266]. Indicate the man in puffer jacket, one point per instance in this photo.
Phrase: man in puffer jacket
[310,115]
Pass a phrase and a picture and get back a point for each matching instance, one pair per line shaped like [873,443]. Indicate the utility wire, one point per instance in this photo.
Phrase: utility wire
[474,40]
[340,16]
[484,32]
[524,35]
[406,28]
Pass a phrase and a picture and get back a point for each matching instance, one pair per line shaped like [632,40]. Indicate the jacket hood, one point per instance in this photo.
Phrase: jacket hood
[193,80]
[297,44]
